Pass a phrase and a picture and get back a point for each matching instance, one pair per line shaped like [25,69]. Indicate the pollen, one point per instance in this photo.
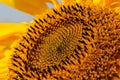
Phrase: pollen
[72,42]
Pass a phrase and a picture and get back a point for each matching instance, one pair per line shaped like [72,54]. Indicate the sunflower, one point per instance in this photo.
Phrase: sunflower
[78,39]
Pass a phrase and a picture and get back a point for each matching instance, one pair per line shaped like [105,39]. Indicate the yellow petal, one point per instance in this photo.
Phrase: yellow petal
[109,2]
[9,32]
[117,10]
[31,7]
[78,1]
[115,4]
[96,1]
[7,28]
[67,2]
[99,2]
[55,2]
[4,65]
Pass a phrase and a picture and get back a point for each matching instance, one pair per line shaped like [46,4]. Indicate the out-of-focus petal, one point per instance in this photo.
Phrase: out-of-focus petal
[9,32]
[55,2]
[96,1]
[115,4]
[99,2]
[67,2]
[8,28]
[31,7]
[117,10]
[110,2]
[4,65]
[78,1]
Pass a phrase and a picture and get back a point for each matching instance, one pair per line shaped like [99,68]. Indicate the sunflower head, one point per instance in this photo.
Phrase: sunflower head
[69,42]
